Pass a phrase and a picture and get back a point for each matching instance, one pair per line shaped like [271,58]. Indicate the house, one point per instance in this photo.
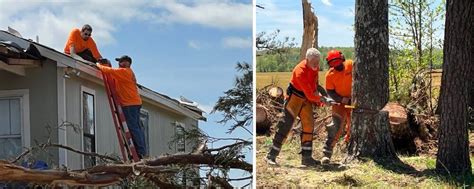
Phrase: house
[43,90]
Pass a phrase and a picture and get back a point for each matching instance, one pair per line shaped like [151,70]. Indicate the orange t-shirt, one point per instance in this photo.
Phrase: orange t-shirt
[81,44]
[125,84]
[305,79]
[341,81]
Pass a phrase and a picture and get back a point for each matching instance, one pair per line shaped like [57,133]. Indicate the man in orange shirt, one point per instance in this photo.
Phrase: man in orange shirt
[127,92]
[338,87]
[302,94]
[81,43]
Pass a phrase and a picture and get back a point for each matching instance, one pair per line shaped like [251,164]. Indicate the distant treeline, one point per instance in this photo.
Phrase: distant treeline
[286,61]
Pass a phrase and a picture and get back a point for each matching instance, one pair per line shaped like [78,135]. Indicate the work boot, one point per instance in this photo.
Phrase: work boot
[309,161]
[271,160]
[325,160]
[306,155]
[272,154]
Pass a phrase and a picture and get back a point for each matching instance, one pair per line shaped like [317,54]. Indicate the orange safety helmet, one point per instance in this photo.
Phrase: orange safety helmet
[335,58]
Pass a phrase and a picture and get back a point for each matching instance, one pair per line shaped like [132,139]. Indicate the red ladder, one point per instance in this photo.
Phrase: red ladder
[127,148]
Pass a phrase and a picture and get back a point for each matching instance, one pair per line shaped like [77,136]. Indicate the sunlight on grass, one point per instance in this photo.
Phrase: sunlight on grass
[414,171]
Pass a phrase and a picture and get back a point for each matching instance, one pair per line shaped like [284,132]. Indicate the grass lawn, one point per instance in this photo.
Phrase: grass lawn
[412,172]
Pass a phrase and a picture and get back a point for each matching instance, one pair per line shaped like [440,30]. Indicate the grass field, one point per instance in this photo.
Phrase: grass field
[281,79]
[411,172]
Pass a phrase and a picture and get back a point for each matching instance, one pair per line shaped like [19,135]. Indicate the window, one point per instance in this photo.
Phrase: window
[181,135]
[88,127]
[10,130]
[144,117]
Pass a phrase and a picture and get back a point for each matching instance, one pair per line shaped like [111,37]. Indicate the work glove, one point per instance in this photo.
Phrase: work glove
[346,101]
[328,101]
[105,62]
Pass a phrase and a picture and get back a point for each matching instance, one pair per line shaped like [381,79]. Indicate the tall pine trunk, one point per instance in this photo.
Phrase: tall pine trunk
[453,150]
[370,134]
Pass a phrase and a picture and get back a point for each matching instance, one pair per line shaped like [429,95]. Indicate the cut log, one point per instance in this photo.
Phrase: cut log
[263,122]
[275,92]
[398,117]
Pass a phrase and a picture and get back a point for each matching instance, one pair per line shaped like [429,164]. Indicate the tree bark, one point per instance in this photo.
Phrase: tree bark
[106,175]
[370,134]
[453,151]
[310,29]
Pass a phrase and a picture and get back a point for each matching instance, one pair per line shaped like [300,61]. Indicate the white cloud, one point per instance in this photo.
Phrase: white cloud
[52,21]
[194,44]
[217,14]
[237,42]
[327,2]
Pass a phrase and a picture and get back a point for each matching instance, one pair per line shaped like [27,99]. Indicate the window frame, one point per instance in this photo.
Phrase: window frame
[23,96]
[181,126]
[94,138]
[146,129]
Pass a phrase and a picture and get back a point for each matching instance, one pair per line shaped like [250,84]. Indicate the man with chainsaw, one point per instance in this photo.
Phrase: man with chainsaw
[127,92]
[338,88]
[302,95]
[80,44]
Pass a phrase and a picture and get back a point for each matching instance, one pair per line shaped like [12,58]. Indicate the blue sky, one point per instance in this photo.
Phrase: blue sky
[336,19]
[179,48]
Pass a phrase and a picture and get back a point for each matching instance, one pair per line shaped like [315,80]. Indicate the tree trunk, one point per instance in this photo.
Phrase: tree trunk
[370,134]
[310,29]
[453,151]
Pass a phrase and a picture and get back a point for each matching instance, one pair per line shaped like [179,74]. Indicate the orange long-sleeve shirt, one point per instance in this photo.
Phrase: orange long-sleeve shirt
[305,79]
[340,81]
[81,44]
[125,84]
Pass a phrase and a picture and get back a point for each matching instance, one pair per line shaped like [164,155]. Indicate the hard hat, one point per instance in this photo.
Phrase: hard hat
[335,58]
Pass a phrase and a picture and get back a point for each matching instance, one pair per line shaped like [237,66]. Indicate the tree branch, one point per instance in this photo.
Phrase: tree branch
[208,159]
[49,145]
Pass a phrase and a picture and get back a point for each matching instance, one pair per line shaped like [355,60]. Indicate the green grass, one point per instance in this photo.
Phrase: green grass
[412,172]
[281,79]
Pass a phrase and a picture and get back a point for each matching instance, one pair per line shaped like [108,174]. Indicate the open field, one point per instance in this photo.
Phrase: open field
[412,172]
[281,79]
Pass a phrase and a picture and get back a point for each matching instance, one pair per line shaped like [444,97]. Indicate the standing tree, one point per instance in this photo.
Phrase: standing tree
[370,126]
[310,29]
[453,152]
[237,105]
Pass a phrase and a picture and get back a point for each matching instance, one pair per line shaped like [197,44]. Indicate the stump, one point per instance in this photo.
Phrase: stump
[263,122]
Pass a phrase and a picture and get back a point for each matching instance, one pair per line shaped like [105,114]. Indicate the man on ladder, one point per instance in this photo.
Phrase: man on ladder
[130,101]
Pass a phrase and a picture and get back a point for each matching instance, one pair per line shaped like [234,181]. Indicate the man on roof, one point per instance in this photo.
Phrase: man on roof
[302,95]
[127,92]
[338,87]
[80,43]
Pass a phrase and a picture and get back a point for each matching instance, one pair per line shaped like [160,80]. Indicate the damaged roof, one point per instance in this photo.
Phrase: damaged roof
[13,47]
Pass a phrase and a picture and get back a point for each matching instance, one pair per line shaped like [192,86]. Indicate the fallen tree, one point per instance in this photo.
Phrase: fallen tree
[108,174]
[166,171]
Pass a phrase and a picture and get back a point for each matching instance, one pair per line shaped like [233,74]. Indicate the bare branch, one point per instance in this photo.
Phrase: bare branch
[208,159]
[50,145]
